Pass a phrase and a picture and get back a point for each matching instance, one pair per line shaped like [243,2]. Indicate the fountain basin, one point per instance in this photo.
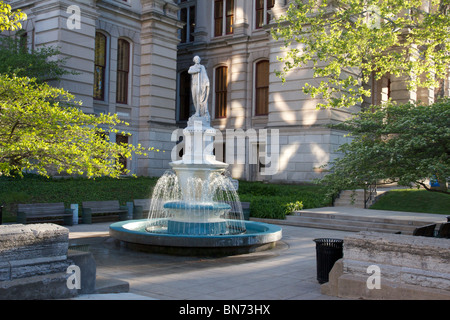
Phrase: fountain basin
[258,236]
[197,212]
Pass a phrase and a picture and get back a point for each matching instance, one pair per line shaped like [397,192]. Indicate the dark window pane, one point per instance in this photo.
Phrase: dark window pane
[221,92]
[262,88]
[123,67]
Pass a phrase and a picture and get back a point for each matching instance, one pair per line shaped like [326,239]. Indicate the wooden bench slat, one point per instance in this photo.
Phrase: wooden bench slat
[95,210]
[43,212]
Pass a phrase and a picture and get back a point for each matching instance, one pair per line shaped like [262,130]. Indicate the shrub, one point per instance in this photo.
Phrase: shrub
[272,207]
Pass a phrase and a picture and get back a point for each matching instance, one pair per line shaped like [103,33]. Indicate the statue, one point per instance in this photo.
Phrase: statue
[200,88]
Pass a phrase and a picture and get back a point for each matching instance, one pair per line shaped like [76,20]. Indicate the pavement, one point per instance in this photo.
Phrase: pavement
[287,272]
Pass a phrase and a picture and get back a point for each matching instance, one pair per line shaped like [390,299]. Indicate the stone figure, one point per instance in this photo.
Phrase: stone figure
[200,88]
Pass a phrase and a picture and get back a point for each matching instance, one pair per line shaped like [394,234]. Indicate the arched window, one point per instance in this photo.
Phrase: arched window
[100,66]
[123,69]
[262,88]
[221,88]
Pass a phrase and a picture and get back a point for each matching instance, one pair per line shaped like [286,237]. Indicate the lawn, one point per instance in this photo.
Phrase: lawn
[414,200]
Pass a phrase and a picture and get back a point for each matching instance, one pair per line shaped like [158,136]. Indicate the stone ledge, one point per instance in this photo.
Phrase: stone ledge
[49,286]
[410,267]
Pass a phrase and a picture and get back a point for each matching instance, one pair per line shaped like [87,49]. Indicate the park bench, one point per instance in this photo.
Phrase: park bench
[425,231]
[101,211]
[44,213]
[141,208]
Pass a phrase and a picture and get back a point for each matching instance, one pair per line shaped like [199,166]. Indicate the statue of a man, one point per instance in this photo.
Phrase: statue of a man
[199,87]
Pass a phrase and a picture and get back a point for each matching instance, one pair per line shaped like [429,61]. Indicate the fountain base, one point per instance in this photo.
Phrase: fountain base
[258,236]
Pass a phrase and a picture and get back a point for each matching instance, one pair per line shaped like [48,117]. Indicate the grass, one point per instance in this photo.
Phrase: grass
[414,200]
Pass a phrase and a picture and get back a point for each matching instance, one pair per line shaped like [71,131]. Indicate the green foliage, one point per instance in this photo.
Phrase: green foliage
[42,130]
[275,201]
[294,206]
[273,207]
[395,143]
[41,63]
[10,20]
[38,189]
[346,42]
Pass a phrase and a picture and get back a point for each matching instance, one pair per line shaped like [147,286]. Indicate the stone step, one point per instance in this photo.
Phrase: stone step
[354,198]
[349,222]
[352,224]
[415,223]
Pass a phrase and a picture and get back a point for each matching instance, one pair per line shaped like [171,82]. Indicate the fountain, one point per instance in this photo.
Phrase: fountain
[195,207]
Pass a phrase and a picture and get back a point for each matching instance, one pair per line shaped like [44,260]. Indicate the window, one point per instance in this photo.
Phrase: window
[262,8]
[223,17]
[262,88]
[100,66]
[221,85]
[123,69]
[187,15]
[184,96]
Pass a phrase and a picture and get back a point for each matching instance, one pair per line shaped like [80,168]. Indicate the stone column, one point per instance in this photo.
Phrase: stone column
[159,40]
[202,26]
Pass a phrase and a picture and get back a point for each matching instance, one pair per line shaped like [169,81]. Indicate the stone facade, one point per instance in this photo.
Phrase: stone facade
[164,36]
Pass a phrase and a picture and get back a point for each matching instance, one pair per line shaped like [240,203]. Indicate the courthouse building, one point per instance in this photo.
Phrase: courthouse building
[131,58]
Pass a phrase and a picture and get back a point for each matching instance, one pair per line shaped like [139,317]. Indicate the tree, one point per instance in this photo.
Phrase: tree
[43,130]
[40,63]
[394,143]
[349,41]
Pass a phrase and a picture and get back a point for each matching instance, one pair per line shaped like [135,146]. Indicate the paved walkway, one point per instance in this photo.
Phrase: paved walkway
[284,273]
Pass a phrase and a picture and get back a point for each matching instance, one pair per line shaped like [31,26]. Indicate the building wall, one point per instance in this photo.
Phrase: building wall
[150,26]
[305,141]
[153,28]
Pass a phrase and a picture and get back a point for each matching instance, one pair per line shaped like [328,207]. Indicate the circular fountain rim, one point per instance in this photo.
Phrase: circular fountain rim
[259,236]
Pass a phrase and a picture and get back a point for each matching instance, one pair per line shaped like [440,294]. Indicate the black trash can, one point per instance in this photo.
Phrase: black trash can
[328,251]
